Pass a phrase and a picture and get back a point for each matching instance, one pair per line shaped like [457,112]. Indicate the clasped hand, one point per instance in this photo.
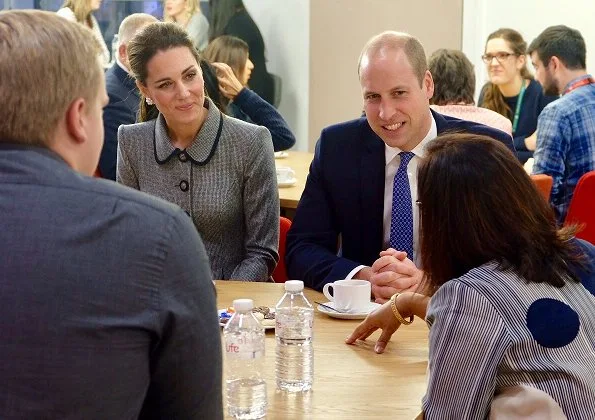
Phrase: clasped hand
[393,272]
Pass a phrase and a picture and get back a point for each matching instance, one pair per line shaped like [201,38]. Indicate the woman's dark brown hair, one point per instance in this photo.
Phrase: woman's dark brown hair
[142,48]
[221,12]
[479,205]
[493,98]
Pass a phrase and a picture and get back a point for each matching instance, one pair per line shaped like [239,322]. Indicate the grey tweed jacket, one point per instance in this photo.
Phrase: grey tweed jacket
[225,181]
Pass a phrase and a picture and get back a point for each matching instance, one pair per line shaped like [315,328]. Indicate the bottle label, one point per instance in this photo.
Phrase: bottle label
[243,348]
[287,327]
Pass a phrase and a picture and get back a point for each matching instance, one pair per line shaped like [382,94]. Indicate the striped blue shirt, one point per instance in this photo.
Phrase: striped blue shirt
[566,143]
[490,330]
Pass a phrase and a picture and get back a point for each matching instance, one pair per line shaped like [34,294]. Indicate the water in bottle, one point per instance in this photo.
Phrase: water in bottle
[246,392]
[293,333]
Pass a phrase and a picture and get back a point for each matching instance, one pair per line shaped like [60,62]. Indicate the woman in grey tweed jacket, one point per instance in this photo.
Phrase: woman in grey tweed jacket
[220,170]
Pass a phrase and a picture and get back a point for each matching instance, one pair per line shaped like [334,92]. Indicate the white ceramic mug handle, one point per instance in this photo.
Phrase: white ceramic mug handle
[326,292]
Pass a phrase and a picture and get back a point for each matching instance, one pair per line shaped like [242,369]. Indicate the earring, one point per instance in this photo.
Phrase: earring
[149,101]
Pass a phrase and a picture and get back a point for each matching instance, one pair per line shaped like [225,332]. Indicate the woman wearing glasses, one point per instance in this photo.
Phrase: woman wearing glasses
[512,91]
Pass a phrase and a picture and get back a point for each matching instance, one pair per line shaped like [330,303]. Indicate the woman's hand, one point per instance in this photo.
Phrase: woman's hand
[382,318]
[531,141]
[407,304]
[229,85]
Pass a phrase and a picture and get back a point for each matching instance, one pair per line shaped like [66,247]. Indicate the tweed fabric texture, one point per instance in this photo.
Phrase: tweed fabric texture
[231,196]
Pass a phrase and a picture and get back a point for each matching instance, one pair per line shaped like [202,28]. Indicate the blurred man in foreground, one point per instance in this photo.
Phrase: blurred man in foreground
[107,309]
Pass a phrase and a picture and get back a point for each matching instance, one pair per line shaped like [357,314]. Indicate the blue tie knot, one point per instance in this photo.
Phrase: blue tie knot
[406,157]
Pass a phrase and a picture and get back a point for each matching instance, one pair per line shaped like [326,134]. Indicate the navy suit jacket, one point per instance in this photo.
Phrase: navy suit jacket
[343,201]
[122,108]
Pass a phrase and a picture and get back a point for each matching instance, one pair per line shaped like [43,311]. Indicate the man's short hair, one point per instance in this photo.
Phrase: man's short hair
[454,78]
[131,24]
[398,41]
[46,62]
[563,42]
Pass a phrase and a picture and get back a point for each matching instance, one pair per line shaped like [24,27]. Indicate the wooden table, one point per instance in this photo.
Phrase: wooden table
[300,163]
[350,382]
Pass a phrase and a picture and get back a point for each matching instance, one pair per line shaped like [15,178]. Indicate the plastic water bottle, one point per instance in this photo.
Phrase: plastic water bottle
[294,365]
[244,359]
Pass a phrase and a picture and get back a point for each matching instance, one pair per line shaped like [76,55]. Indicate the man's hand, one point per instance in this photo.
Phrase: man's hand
[394,272]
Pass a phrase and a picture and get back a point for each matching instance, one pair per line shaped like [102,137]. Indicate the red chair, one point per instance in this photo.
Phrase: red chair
[582,207]
[544,184]
[280,272]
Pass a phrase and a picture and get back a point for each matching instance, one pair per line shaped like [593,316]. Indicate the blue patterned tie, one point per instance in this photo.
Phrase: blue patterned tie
[401,220]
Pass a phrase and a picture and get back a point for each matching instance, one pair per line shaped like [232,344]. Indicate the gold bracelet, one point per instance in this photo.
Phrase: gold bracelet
[396,313]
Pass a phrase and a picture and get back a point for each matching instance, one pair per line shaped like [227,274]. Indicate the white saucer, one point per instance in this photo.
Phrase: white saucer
[281,155]
[289,183]
[220,311]
[347,315]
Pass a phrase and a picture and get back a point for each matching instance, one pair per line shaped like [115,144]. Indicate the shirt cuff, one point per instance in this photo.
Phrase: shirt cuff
[353,272]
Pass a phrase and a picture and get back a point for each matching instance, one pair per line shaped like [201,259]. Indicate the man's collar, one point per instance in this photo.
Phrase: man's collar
[575,80]
[419,150]
[122,66]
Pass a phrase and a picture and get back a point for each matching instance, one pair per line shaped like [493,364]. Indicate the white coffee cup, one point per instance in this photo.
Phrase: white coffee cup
[285,174]
[349,295]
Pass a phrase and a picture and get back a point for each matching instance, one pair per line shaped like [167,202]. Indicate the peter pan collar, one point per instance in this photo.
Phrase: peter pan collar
[203,147]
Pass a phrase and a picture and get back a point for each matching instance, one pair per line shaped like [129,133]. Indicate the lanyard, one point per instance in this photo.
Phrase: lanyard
[578,84]
[517,109]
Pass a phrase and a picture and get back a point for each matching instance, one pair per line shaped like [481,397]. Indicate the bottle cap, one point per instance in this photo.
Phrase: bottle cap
[243,305]
[294,285]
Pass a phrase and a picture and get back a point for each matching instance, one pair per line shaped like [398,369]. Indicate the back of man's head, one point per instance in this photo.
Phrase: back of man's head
[391,40]
[132,24]
[454,78]
[46,62]
[563,42]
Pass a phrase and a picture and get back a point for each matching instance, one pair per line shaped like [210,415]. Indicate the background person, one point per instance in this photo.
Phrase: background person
[107,304]
[81,11]
[230,17]
[123,94]
[511,90]
[566,143]
[239,101]
[495,291]
[188,15]
[219,169]
[454,86]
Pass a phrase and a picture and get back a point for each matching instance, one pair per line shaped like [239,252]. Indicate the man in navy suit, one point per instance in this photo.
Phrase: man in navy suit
[123,94]
[343,220]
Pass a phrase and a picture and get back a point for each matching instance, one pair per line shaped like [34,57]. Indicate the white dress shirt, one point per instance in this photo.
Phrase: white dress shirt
[392,161]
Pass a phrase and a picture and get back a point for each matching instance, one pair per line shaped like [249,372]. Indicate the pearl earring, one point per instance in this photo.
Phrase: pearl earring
[149,101]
